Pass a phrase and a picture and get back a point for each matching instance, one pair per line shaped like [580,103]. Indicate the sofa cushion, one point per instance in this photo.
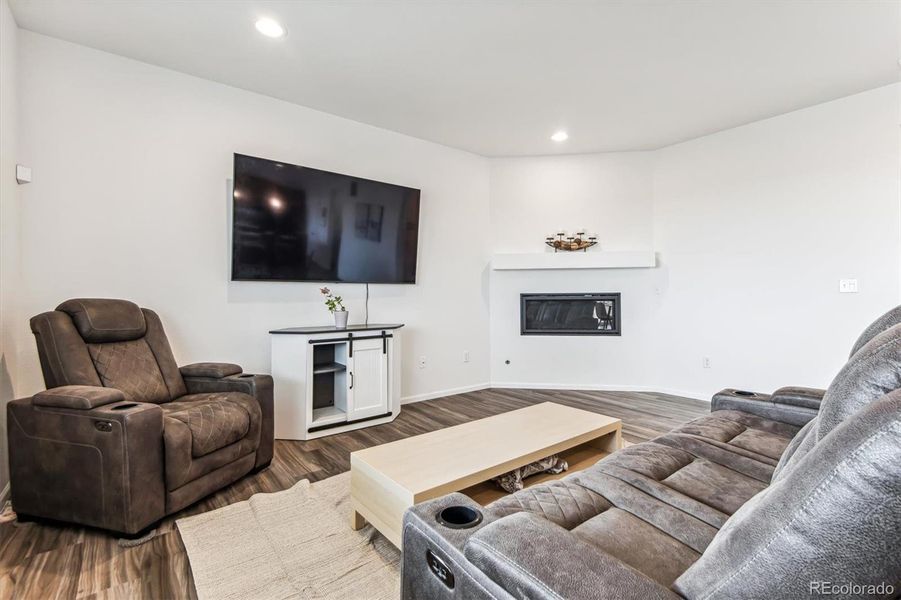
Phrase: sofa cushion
[668,517]
[638,544]
[562,502]
[214,420]
[733,458]
[203,432]
[641,468]
[872,372]
[835,517]
[886,321]
[714,485]
[799,446]
[746,434]
[530,557]
[685,480]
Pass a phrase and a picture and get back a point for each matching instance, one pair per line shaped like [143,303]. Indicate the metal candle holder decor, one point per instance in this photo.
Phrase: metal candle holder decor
[571,243]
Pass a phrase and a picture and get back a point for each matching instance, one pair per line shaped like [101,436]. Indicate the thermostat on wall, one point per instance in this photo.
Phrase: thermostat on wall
[23,174]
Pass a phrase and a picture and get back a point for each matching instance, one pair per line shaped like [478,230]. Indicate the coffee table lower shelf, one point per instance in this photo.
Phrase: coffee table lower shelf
[388,479]
[578,458]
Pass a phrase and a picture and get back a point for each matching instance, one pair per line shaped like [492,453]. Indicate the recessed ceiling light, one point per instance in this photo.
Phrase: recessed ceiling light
[270,28]
[560,136]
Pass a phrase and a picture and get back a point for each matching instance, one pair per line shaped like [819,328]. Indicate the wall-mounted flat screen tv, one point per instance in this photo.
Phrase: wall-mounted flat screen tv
[293,223]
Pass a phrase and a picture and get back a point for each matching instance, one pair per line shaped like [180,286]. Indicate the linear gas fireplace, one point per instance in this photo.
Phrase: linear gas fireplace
[569,314]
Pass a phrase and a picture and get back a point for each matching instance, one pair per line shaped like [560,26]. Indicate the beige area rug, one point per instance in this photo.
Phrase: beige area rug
[292,544]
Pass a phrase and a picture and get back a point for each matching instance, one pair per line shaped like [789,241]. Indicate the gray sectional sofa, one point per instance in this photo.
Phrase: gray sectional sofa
[791,495]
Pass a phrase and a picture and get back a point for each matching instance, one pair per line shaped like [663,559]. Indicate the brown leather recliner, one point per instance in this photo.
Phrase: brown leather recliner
[122,437]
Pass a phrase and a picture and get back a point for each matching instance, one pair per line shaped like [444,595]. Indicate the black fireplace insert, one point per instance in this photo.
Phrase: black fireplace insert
[569,314]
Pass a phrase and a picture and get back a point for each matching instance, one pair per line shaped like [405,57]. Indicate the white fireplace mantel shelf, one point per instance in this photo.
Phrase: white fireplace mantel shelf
[573,260]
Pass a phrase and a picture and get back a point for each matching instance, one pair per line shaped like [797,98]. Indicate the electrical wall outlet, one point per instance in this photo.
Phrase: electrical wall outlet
[466,356]
[847,286]
[422,362]
[705,362]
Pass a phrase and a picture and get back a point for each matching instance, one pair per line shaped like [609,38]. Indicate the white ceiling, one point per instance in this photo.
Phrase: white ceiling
[499,77]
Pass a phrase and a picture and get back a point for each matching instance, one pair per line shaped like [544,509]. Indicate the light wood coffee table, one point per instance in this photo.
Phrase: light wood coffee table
[386,480]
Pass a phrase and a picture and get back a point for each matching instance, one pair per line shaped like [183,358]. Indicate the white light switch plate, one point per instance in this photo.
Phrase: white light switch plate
[23,174]
[847,286]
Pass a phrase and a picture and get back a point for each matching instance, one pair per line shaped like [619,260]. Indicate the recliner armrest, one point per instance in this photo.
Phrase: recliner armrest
[799,396]
[84,397]
[215,370]
[530,557]
[762,405]
[104,465]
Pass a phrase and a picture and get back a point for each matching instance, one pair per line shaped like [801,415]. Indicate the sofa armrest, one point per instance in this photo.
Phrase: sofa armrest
[483,562]
[531,557]
[258,386]
[803,397]
[83,397]
[100,466]
[214,370]
[433,564]
[762,405]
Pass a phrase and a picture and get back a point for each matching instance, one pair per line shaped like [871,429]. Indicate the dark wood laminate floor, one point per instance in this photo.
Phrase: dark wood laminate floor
[42,561]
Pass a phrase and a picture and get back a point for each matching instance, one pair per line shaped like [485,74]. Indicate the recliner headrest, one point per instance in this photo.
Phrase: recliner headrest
[889,319]
[873,371]
[100,320]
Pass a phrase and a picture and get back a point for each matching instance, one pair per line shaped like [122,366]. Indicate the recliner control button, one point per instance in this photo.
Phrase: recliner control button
[439,569]
[104,426]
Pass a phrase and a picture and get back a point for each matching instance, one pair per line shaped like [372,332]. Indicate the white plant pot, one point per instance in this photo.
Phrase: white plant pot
[340,319]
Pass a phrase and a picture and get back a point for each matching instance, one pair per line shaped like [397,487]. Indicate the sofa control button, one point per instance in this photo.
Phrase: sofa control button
[104,426]
[439,569]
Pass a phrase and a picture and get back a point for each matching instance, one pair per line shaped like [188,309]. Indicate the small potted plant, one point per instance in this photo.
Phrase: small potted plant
[335,306]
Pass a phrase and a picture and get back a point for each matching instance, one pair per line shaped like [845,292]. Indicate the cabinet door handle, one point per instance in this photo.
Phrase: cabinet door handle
[351,380]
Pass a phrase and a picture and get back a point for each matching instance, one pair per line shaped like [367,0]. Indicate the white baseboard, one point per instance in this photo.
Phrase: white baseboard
[601,387]
[555,386]
[443,393]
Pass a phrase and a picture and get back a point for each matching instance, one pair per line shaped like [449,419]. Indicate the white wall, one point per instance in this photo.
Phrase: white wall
[756,225]
[129,200]
[753,227]
[610,194]
[10,282]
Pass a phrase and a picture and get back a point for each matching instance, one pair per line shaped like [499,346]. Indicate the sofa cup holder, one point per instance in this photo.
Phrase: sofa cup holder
[125,406]
[459,517]
[744,393]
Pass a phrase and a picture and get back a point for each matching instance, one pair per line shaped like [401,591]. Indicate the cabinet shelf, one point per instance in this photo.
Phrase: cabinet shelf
[328,415]
[332,367]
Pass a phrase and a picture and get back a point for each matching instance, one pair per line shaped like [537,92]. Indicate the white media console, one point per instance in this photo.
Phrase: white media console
[329,380]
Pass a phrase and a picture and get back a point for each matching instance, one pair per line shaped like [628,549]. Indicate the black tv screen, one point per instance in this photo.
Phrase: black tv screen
[293,223]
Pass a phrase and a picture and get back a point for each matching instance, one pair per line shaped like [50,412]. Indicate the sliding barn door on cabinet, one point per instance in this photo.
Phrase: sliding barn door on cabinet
[367,379]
